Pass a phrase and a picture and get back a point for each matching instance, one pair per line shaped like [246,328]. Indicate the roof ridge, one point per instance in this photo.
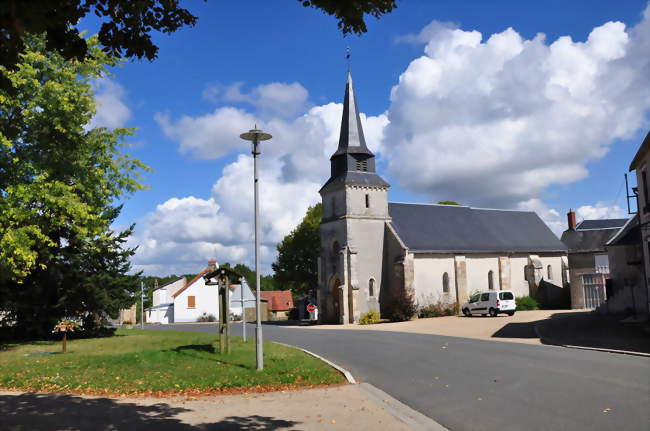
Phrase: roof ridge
[463,206]
[192,281]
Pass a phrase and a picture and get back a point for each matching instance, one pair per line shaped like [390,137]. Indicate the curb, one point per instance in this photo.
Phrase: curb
[342,370]
[546,340]
[414,419]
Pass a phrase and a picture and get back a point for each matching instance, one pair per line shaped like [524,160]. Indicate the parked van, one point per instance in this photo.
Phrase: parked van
[491,302]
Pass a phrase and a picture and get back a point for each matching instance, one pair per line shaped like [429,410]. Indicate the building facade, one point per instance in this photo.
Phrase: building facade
[374,253]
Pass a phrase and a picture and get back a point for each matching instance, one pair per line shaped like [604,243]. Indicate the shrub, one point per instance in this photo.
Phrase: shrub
[438,309]
[526,303]
[293,314]
[404,307]
[369,318]
[127,322]
[205,317]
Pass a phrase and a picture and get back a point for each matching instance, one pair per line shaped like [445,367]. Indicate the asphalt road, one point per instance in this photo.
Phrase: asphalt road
[468,384]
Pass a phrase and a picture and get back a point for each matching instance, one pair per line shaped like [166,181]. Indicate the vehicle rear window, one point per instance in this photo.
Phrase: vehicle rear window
[485,297]
[506,295]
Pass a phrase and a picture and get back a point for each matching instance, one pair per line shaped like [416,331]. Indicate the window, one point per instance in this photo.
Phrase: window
[445,283]
[191,301]
[485,296]
[646,206]
[506,296]
[491,280]
[525,273]
[474,298]
[367,200]
[549,272]
[336,247]
[362,165]
[371,287]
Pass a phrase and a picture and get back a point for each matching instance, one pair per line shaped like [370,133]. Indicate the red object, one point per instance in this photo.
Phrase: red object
[278,300]
[571,217]
[311,308]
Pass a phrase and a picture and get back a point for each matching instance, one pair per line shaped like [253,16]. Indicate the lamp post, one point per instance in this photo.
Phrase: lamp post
[256,136]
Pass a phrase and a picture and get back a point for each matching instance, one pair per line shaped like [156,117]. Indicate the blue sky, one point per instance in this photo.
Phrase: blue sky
[227,63]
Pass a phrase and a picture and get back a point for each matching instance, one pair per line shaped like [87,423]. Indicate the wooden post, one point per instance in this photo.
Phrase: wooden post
[224,315]
[65,341]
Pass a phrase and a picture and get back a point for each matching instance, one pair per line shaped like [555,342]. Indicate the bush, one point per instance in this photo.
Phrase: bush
[205,317]
[127,322]
[369,318]
[404,307]
[526,303]
[293,314]
[439,309]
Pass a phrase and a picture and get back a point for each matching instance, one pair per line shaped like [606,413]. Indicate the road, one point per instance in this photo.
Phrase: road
[468,384]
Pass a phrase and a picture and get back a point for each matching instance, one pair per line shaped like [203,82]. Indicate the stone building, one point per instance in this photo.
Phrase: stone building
[374,252]
[588,259]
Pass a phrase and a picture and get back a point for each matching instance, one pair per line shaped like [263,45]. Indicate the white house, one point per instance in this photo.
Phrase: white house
[186,301]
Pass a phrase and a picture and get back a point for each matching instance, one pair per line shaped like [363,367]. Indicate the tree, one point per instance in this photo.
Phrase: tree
[127,24]
[448,203]
[59,182]
[267,282]
[297,264]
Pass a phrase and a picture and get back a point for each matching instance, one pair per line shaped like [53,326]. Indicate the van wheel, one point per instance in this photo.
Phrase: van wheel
[493,312]
[511,313]
[466,312]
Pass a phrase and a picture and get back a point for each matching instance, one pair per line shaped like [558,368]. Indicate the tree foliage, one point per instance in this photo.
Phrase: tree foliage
[59,182]
[267,282]
[127,24]
[448,203]
[297,264]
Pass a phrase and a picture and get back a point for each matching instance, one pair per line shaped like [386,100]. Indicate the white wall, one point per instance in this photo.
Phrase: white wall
[556,265]
[206,301]
[428,270]
[478,267]
[518,283]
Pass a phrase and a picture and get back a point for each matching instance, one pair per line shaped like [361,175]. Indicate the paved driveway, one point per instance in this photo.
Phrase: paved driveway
[468,384]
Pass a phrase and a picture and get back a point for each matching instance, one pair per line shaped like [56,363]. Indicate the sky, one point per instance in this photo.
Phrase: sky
[536,106]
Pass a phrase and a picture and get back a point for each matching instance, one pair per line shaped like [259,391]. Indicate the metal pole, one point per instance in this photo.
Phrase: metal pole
[243,310]
[259,349]
[141,304]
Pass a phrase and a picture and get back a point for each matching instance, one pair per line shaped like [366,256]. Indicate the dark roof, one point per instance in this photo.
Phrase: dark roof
[628,234]
[611,223]
[642,149]
[451,228]
[356,179]
[351,139]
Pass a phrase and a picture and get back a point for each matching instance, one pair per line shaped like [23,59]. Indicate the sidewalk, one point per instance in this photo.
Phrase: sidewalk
[332,408]
[591,330]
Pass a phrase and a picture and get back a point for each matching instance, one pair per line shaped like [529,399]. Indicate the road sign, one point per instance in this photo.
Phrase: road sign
[311,308]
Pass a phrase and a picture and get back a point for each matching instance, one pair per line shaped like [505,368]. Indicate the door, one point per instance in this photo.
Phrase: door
[594,290]
[481,306]
[336,301]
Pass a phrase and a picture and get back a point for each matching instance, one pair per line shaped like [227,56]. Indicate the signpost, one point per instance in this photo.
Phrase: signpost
[312,309]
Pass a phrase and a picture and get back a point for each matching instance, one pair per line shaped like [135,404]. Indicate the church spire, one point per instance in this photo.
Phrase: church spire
[352,139]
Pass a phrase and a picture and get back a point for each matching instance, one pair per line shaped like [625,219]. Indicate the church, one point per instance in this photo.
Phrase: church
[375,253]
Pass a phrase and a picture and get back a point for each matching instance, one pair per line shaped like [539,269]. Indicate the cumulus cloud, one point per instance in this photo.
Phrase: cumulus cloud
[275,98]
[600,210]
[183,232]
[112,111]
[493,122]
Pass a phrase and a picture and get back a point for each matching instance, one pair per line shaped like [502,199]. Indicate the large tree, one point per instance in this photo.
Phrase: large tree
[127,24]
[297,264]
[59,186]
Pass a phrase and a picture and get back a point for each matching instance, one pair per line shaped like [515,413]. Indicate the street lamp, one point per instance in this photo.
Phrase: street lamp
[256,136]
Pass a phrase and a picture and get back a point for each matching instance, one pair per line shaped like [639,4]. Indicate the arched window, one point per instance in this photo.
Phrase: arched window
[445,283]
[336,247]
[525,272]
[491,280]
[549,272]
[371,287]
[367,200]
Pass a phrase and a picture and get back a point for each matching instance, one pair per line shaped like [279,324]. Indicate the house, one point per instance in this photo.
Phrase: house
[186,301]
[279,302]
[629,249]
[375,253]
[588,259]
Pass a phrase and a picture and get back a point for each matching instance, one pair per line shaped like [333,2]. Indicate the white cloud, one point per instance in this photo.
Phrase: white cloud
[273,99]
[182,233]
[600,210]
[495,122]
[112,111]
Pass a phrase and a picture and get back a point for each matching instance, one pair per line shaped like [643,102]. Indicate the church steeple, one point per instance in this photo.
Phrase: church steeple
[352,163]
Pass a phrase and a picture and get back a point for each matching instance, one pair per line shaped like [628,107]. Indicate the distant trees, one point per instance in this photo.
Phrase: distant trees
[448,203]
[59,184]
[266,281]
[297,263]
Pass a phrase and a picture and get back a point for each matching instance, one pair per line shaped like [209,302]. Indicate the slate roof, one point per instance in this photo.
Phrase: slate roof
[645,145]
[590,236]
[357,179]
[629,234]
[351,139]
[611,223]
[278,300]
[451,228]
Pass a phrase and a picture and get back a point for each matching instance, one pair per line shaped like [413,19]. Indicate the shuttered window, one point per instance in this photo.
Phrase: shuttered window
[191,301]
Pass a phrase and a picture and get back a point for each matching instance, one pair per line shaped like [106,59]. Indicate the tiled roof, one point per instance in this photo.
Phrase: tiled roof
[608,223]
[278,300]
[191,282]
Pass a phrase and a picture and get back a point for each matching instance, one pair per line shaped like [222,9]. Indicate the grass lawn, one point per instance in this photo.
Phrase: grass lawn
[157,363]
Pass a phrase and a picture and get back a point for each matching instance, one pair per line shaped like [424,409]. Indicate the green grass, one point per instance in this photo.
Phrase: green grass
[144,362]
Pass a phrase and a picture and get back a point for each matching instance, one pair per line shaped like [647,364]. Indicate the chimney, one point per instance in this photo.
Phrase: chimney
[212,264]
[571,217]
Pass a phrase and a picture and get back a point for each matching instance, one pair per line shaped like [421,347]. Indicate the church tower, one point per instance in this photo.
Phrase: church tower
[355,211]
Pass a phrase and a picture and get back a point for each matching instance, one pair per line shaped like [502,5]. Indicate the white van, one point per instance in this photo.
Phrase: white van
[490,302]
